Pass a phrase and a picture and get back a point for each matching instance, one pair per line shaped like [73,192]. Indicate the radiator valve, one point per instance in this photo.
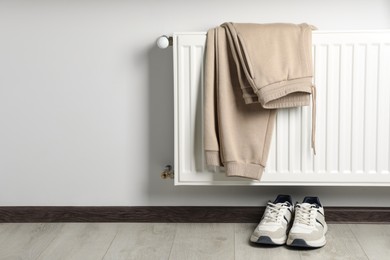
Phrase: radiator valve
[167,173]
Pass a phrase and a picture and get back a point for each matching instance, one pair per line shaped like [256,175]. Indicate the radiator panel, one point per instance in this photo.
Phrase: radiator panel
[353,117]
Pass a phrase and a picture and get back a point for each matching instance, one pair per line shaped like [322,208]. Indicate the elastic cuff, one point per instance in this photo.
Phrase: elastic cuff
[212,158]
[289,93]
[246,170]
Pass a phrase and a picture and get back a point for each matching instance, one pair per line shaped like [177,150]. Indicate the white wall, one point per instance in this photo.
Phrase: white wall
[86,98]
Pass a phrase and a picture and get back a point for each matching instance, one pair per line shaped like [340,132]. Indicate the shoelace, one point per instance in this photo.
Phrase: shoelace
[303,214]
[272,211]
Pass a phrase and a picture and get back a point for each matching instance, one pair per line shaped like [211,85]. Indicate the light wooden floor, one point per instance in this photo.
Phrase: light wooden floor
[179,241]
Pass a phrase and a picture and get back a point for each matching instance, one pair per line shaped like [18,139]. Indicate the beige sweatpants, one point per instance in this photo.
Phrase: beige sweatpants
[237,135]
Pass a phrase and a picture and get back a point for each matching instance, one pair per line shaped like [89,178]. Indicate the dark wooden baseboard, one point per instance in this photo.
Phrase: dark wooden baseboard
[177,214]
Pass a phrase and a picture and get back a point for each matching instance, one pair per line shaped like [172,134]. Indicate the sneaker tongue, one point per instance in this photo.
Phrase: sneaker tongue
[280,204]
[306,205]
[309,205]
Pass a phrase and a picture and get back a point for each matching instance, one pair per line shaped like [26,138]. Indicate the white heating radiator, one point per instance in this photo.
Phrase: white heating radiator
[352,75]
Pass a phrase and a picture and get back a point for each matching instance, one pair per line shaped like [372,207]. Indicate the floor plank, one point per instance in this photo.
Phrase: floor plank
[81,241]
[27,240]
[244,249]
[179,241]
[4,230]
[374,239]
[142,241]
[203,241]
[340,244]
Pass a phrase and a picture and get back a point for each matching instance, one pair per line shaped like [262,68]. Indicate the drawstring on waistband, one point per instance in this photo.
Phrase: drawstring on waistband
[313,118]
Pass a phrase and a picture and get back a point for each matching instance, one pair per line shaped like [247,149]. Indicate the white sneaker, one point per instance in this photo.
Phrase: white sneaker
[309,227]
[274,224]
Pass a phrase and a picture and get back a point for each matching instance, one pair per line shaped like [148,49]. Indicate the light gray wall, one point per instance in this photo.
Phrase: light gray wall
[86,98]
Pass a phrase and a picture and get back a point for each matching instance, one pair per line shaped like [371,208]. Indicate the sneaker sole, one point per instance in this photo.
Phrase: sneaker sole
[266,240]
[302,243]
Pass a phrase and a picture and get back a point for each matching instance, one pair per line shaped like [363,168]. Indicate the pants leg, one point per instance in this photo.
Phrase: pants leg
[244,131]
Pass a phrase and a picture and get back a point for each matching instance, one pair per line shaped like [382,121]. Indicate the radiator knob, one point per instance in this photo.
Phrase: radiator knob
[164,41]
